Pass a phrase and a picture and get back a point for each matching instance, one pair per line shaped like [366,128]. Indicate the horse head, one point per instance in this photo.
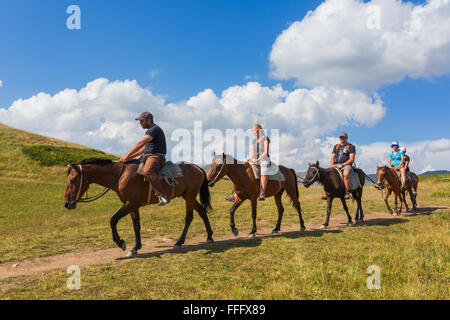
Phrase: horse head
[312,175]
[381,172]
[218,169]
[76,186]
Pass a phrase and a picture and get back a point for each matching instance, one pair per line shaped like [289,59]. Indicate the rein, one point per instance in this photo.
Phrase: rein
[220,171]
[102,193]
[316,174]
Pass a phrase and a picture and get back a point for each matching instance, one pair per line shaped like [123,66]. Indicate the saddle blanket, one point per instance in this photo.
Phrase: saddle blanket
[170,169]
[278,176]
[354,179]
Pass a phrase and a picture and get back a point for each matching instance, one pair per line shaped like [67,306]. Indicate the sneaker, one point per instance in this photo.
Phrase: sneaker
[230,198]
[347,195]
[414,192]
[323,197]
[262,197]
[163,201]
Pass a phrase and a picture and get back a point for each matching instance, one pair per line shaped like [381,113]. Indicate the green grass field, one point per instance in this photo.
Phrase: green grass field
[412,252]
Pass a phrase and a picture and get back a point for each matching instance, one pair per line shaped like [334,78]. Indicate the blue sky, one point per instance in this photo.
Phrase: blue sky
[189,46]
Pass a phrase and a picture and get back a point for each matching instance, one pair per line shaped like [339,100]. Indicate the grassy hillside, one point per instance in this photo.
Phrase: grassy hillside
[32,156]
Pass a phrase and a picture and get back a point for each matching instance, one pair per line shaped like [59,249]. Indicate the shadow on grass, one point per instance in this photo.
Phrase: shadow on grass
[224,245]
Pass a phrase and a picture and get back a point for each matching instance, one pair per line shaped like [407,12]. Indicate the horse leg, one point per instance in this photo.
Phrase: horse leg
[280,211]
[187,221]
[349,217]
[237,203]
[126,208]
[252,234]
[327,219]
[386,197]
[202,213]
[360,209]
[296,204]
[404,200]
[137,232]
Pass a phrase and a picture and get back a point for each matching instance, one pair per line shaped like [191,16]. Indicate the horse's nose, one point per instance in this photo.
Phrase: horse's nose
[211,183]
[66,204]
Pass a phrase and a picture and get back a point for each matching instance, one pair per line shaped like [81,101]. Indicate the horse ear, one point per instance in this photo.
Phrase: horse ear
[317,163]
[214,153]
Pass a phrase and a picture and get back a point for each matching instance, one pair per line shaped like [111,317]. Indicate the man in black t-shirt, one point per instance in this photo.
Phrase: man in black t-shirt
[153,146]
[342,157]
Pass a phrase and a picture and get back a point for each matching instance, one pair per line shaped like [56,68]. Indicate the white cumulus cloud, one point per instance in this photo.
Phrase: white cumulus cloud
[339,43]
[102,114]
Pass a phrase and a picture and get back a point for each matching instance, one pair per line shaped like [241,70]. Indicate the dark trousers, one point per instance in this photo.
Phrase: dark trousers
[152,165]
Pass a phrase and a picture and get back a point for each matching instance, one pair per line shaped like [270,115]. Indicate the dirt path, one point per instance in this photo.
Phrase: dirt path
[159,246]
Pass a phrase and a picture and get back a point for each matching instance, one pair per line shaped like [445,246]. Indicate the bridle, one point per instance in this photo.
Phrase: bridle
[102,193]
[313,179]
[218,174]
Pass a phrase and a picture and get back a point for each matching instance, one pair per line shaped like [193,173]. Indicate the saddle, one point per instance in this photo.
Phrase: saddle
[169,173]
[278,176]
[354,179]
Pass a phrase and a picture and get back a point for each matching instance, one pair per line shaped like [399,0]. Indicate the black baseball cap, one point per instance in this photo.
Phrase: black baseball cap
[145,115]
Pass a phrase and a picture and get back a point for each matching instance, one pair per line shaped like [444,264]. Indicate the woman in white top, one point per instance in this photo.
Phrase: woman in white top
[260,155]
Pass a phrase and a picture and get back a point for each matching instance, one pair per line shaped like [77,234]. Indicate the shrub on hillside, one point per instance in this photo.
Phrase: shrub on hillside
[48,155]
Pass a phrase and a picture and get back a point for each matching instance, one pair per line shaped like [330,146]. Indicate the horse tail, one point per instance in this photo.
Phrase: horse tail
[205,196]
[295,182]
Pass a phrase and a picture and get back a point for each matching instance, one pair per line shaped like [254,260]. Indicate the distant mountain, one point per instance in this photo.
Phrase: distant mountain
[426,173]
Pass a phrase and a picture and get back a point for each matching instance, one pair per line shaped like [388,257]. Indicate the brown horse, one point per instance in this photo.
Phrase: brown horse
[389,179]
[247,187]
[335,188]
[133,192]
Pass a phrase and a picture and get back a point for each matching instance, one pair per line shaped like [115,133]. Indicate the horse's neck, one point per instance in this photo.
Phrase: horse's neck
[326,180]
[101,175]
[391,177]
[238,175]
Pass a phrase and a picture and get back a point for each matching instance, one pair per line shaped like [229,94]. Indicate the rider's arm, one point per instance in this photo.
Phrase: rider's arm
[137,153]
[332,159]
[390,162]
[137,147]
[401,162]
[350,160]
[266,150]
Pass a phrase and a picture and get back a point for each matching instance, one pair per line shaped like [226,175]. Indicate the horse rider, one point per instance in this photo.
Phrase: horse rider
[153,147]
[259,154]
[342,158]
[406,162]
[396,161]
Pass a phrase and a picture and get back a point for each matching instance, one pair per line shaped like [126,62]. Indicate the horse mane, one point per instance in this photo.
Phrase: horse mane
[98,161]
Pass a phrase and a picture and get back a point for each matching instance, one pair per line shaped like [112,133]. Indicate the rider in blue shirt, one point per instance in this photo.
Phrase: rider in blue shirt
[396,159]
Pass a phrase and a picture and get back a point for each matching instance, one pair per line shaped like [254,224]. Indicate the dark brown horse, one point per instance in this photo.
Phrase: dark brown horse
[334,188]
[389,179]
[133,192]
[247,187]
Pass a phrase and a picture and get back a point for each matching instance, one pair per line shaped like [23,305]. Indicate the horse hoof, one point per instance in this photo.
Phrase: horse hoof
[396,214]
[235,231]
[177,246]
[209,240]
[302,229]
[131,253]
[123,245]
[349,224]
[323,226]
[251,235]
[275,231]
